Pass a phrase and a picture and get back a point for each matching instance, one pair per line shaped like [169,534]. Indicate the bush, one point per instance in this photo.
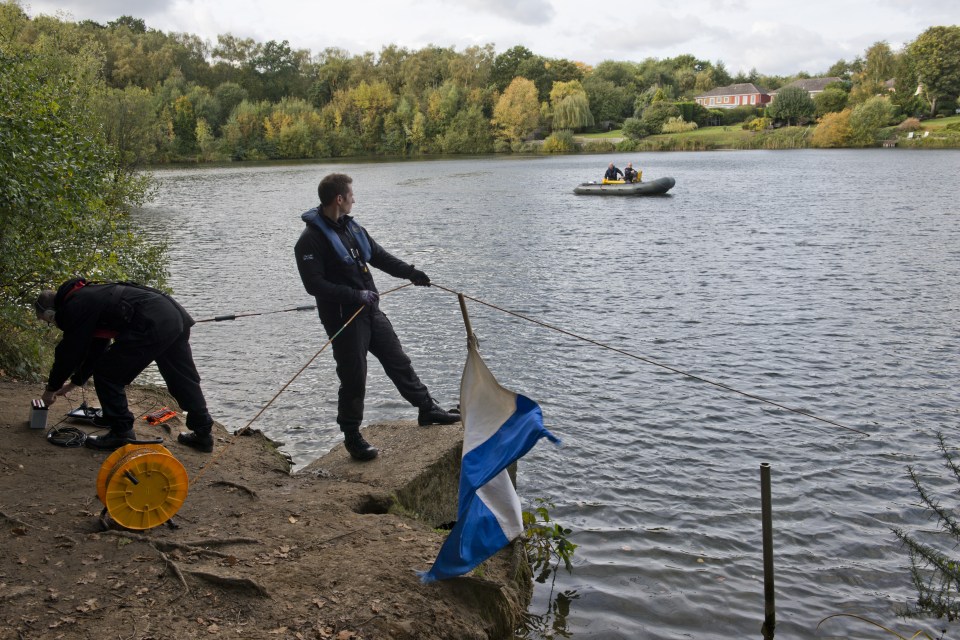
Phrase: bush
[833,131]
[737,115]
[935,573]
[559,142]
[677,125]
[868,118]
[657,114]
[830,100]
[910,124]
[758,124]
[634,129]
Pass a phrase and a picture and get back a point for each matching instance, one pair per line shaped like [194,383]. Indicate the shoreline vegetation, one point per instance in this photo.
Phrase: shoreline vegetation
[160,98]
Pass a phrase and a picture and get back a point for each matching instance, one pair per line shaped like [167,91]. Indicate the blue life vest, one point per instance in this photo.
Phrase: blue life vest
[312,217]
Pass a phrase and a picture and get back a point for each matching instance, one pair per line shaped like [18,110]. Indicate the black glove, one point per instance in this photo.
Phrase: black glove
[369,298]
[419,278]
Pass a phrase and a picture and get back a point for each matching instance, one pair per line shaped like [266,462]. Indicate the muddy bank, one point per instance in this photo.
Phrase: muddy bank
[257,552]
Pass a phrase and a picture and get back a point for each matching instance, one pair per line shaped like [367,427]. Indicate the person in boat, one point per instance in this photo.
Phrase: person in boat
[334,255]
[612,173]
[630,174]
[112,331]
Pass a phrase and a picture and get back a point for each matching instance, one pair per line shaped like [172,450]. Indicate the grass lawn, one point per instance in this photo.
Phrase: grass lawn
[616,133]
[939,123]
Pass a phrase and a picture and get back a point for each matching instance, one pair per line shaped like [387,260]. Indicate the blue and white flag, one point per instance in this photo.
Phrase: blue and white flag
[499,427]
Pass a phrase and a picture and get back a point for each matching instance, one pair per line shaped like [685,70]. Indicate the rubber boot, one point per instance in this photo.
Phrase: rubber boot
[358,448]
[433,413]
[111,441]
[198,440]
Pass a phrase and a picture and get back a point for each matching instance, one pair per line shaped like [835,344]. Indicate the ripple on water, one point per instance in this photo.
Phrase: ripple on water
[838,302]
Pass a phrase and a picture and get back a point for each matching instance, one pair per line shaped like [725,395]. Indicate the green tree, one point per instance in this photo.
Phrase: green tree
[517,112]
[657,114]
[130,124]
[505,65]
[468,133]
[184,127]
[829,100]
[868,118]
[608,102]
[936,61]
[880,63]
[64,193]
[792,105]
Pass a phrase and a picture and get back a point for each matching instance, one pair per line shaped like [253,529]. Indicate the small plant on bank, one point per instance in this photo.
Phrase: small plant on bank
[547,545]
[546,541]
[935,574]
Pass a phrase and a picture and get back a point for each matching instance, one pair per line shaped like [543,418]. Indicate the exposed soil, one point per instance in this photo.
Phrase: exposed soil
[253,552]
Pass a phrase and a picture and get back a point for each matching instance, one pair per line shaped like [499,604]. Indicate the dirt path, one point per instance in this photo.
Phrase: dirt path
[329,552]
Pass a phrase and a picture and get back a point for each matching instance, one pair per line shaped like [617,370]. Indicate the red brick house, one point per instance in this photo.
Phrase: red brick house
[746,94]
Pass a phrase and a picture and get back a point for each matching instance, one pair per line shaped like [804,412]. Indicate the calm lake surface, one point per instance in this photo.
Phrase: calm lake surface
[828,281]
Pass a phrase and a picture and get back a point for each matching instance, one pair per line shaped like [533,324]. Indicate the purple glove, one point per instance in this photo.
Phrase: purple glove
[369,298]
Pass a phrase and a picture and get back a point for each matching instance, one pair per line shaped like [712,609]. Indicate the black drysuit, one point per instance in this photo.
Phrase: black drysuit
[336,284]
[113,331]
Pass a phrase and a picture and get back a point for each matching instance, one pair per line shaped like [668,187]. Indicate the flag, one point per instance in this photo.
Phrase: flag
[499,427]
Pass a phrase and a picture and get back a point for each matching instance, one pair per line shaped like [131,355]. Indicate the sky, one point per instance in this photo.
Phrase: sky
[772,36]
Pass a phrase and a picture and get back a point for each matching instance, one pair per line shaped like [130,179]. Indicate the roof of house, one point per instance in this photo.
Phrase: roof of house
[813,84]
[744,88]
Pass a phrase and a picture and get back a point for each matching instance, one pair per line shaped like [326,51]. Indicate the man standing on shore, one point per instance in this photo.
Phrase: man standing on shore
[334,255]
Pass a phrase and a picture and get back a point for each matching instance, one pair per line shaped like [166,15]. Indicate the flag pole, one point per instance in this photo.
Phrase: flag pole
[471,339]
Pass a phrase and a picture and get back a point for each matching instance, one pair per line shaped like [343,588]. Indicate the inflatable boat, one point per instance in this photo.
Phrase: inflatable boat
[620,188]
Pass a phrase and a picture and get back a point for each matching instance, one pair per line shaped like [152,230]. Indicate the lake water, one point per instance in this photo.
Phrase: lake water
[828,281]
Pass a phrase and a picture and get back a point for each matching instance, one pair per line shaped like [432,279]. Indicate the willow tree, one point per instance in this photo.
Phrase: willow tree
[571,107]
[573,112]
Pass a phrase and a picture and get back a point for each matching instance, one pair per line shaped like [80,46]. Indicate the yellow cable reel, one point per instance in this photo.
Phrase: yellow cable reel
[142,485]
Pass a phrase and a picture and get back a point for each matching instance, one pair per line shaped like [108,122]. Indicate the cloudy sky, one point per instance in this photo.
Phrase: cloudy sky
[772,36]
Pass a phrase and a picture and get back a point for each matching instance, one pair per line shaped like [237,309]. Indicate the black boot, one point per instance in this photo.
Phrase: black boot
[358,448]
[200,441]
[111,441]
[432,413]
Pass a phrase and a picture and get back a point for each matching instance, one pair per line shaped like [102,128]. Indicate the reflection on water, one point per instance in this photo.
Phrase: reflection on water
[825,280]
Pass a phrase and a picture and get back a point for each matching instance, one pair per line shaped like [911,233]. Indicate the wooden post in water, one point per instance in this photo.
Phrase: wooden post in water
[769,606]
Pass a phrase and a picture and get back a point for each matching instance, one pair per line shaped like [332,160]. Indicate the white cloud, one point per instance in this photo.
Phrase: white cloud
[530,12]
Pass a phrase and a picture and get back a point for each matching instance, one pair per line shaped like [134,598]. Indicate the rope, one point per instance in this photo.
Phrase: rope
[653,362]
[246,427]
[234,316]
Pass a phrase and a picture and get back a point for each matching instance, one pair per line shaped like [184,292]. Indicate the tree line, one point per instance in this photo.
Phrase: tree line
[173,97]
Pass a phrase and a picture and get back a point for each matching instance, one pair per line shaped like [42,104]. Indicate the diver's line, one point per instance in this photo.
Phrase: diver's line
[653,362]
[243,430]
[234,316]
